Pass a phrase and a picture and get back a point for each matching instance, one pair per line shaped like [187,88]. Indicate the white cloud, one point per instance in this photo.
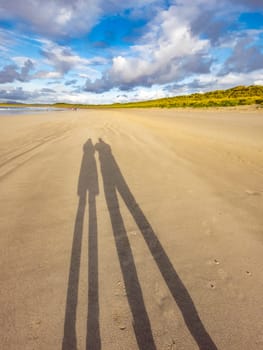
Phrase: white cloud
[177,48]
[167,51]
[12,72]
[65,17]
[42,74]
[54,61]
[210,82]
[20,60]
[62,60]
[235,78]
[55,18]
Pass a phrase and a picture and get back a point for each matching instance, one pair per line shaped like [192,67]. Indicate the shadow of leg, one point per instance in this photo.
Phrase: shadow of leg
[93,341]
[69,339]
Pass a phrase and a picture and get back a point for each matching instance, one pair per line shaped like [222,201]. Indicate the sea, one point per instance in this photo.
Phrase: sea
[27,110]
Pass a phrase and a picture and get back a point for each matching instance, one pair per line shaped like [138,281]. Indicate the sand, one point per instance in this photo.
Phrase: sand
[132,229]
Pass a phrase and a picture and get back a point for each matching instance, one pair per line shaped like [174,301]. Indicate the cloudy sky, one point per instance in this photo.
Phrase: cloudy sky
[100,51]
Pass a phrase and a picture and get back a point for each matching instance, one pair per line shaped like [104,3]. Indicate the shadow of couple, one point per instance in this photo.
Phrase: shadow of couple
[113,182]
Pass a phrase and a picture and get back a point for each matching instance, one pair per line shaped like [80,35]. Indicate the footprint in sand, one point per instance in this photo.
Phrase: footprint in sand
[208,232]
[213,262]
[253,193]
[34,329]
[211,284]
[120,289]
[172,345]
[132,233]
[119,320]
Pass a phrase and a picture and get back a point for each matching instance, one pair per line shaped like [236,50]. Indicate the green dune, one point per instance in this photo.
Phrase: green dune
[237,96]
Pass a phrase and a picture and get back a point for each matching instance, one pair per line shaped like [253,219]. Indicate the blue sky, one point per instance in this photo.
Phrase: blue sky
[94,51]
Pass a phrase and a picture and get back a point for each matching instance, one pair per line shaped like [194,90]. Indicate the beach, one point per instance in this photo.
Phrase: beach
[132,229]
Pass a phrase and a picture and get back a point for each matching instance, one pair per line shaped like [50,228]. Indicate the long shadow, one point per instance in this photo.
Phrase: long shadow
[141,321]
[114,180]
[88,182]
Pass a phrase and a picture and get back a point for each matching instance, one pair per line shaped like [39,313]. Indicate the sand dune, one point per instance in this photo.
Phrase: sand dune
[132,229]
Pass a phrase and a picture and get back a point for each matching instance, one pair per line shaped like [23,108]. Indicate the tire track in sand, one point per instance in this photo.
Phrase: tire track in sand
[15,159]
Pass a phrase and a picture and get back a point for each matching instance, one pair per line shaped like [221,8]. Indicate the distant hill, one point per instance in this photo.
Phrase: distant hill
[238,91]
[237,96]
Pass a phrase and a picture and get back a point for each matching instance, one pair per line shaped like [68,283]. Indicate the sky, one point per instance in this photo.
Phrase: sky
[95,51]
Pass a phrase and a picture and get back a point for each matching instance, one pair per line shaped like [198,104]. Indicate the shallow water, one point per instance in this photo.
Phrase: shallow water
[26,110]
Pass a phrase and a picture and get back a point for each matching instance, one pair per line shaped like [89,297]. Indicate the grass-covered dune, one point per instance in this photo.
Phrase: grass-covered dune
[237,96]
[240,95]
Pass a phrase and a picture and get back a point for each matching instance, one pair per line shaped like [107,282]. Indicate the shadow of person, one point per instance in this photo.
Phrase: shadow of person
[113,181]
[141,321]
[87,183]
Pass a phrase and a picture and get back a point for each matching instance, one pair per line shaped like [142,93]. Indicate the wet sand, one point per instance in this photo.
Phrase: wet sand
[132,229]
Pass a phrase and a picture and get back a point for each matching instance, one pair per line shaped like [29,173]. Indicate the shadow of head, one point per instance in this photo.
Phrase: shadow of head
[88,147]
[103,148]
